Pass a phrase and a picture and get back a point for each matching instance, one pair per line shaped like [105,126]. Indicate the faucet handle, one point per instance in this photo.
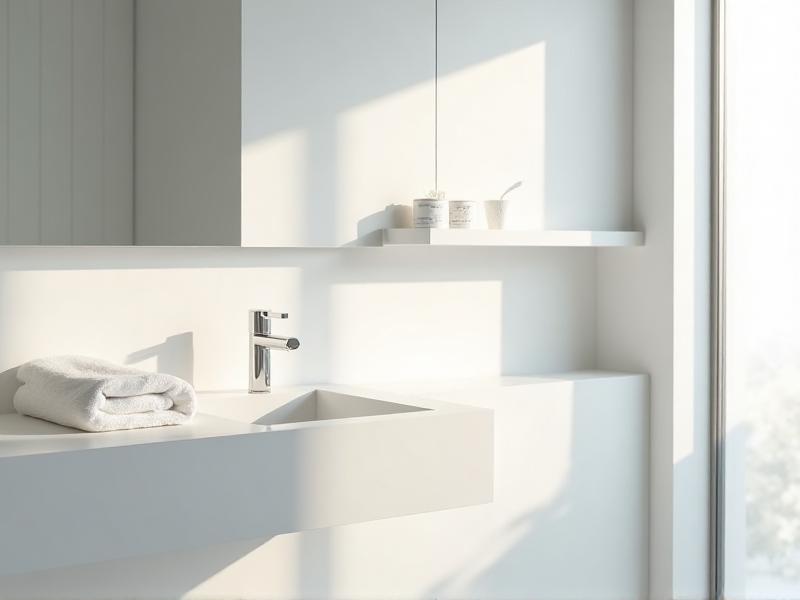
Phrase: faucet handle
[269,314]
[260,320]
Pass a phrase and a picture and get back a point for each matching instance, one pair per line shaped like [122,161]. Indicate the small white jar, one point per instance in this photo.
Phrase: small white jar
[463,214]
[431,213]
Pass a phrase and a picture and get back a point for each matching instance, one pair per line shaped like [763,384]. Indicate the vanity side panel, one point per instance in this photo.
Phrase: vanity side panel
[351,472]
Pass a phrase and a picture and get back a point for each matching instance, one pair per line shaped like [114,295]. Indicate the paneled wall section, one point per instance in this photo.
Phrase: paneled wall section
[66,121]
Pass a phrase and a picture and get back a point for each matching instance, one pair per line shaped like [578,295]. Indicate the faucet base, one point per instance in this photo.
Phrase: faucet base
[266,391]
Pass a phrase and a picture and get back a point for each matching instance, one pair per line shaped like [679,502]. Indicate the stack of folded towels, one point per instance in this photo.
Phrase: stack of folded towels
[94,395]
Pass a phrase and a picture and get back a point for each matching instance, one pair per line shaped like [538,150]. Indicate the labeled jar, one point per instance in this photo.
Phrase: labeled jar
[463,214]
[431,213]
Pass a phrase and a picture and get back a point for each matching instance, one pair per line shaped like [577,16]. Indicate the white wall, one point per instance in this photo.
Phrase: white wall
[66,121]
[653,301]
[635,287]
[538,91]
[362,315]
[338,116]
[350,106]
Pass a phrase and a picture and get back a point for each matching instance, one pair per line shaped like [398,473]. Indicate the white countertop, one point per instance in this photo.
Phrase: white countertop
[226,413]
[21,435]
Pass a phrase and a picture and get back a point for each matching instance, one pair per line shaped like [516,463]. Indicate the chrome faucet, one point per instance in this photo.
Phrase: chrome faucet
[261,342]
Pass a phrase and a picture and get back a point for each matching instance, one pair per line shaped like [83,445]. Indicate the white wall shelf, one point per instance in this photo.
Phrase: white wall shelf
[497,237]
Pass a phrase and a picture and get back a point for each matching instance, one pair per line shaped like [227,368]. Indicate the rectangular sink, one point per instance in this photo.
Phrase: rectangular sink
[248,466]
[324,405]
[342,454]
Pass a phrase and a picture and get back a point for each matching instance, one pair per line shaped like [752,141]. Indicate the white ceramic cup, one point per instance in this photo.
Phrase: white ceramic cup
[496,213]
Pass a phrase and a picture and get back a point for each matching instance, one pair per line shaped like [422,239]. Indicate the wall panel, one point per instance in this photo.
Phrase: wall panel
[66,121]
[56,115]
[24,20]
[4,142]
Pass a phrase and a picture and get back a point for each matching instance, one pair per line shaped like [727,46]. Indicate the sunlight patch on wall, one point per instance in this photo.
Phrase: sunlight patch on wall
[187,322]
[385,153]
[428,329]
[492,128]
[275,178]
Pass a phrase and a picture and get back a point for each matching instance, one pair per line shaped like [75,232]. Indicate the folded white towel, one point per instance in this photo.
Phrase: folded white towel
[95,395]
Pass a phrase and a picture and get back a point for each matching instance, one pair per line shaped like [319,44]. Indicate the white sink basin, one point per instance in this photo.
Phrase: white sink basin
[341,454]
[324,405]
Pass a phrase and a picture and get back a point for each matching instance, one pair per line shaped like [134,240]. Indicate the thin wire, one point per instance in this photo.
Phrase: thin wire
[436,96]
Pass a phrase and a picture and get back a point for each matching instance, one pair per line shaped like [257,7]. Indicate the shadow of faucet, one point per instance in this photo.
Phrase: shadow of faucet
[175,356]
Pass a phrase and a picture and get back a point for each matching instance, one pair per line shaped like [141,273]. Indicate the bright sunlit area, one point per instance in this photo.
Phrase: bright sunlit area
[762,469]
[399,299]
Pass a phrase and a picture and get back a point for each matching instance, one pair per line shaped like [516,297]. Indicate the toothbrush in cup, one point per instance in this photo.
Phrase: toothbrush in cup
[497,210]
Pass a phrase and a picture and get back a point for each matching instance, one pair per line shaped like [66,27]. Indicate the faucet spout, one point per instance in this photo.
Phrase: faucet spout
[276,342]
